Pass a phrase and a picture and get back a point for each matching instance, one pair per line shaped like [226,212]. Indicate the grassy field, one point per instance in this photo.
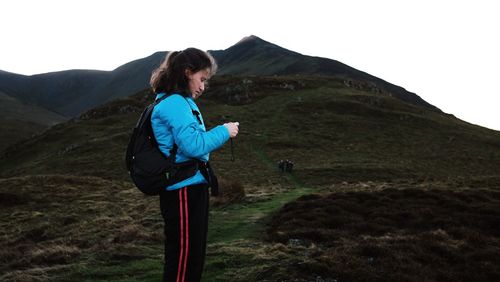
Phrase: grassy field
[381,190]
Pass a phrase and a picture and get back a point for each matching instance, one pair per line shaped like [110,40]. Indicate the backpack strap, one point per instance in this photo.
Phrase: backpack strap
[173,151]
[149,111]
[195,112]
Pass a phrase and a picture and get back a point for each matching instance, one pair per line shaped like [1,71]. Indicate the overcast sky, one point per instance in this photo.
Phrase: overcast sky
[445,51]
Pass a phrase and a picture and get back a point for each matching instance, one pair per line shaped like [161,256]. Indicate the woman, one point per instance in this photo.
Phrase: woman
[176,122]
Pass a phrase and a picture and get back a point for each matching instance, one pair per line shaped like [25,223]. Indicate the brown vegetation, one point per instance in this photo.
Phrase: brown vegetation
[395,234]
[49,221]
[230,192]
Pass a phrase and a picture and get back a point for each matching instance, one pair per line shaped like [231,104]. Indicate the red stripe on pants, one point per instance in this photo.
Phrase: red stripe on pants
[182,260]
[186,233]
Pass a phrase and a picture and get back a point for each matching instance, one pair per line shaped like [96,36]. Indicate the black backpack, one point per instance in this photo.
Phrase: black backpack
[149,169]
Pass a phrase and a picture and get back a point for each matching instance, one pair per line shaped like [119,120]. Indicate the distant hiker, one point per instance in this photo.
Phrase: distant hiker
[288,166]
[285,166]
[179,129]
[281,166]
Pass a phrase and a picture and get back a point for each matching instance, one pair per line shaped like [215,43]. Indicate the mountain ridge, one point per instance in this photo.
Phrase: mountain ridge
[72,92]
[297,63]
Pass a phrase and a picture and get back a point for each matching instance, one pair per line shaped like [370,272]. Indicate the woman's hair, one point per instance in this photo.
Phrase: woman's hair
[170,76]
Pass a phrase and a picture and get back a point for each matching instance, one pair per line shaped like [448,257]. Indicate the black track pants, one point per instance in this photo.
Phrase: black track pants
[185,212]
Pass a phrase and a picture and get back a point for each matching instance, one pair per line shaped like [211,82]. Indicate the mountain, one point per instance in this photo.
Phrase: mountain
[71,92]
[124,80]
[254,56]
[36,102]
[74,91]
[54,91]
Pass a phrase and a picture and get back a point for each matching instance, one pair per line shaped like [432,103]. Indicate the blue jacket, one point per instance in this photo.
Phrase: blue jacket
[172,121]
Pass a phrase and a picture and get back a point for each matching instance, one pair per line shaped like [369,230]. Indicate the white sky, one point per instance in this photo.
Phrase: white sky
[448,52]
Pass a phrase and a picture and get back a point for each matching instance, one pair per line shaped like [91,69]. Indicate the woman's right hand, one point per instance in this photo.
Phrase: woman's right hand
[232,127]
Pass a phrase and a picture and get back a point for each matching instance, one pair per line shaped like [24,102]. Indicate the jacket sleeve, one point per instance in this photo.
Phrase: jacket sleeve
[189,136]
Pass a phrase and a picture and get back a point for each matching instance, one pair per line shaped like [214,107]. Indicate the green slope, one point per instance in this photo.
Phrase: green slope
[332,133]
[19,121]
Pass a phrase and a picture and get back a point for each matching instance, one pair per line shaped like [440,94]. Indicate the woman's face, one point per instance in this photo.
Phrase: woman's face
[197,82]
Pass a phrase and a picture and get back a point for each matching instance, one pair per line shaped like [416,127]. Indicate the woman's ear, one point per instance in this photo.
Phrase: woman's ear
[188,73]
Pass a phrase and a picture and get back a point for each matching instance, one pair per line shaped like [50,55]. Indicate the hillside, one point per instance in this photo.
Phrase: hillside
[70,212]
[55,91]
[19,121]
[352,132]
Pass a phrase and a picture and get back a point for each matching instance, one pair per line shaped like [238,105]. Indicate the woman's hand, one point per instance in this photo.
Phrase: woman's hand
[232,127]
